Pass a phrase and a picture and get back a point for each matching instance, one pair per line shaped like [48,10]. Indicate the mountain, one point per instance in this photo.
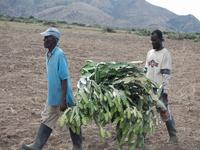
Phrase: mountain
[113,13]
[77,12]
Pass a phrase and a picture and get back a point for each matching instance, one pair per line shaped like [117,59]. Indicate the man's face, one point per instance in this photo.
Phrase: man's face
[156,42]
[49,41]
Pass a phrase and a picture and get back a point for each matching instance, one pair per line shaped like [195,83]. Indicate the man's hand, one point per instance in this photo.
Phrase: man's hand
[63,105]
[164,98]
[164,114]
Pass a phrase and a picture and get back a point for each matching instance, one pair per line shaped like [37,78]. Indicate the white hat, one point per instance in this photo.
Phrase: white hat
[51,31]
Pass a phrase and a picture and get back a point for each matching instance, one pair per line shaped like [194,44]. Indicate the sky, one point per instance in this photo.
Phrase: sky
[179,7]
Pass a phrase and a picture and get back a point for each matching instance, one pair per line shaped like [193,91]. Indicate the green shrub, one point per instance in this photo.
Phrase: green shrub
[143,32]
[182,35]
[133,29]
[78,24]
[31,17]
[62,22]
[174,36]
[108,29]
[50,23]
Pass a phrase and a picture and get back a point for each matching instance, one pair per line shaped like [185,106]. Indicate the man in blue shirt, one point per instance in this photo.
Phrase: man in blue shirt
[60,94]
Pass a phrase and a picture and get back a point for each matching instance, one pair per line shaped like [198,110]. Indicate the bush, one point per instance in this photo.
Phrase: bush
[62,22]
[78,24]
[143,32]
[181,36]
[108,29]
[133,29]
[174,36]
[50,23]
[31,17]
[190,36]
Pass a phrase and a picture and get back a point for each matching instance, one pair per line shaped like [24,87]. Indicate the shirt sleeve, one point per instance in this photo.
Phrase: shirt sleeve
[166,68]
[63,67]
[146,64]
[145,67]
[166,63]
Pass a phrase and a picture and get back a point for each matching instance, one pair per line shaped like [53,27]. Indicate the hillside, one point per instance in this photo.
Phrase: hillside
[77,12]
[114,13]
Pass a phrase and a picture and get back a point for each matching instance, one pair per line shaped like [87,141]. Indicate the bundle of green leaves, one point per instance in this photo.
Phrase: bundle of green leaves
[114,92]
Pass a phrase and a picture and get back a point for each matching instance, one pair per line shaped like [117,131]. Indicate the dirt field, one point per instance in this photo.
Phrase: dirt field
[23,87]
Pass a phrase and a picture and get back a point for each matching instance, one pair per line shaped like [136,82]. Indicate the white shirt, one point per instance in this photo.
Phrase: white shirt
[159,66]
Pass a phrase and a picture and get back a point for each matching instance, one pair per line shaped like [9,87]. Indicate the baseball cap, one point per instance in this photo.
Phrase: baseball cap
[51,31]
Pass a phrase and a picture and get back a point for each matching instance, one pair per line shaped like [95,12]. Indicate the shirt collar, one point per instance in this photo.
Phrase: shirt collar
[49,54]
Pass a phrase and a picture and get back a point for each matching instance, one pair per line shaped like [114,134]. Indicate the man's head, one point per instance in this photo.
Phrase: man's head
[51,37]
[157,39]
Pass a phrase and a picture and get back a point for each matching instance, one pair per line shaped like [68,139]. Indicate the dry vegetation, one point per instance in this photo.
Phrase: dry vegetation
[23,85]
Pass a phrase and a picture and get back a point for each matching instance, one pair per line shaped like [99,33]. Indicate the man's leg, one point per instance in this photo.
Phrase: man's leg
[168,119]
[40,140]
[170,124]
[50,116]
[76,140]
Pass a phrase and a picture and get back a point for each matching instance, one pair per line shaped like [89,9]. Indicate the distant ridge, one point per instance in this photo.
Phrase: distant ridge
[112,13]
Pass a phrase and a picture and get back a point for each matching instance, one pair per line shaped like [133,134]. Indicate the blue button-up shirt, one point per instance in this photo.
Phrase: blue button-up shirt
[57,70]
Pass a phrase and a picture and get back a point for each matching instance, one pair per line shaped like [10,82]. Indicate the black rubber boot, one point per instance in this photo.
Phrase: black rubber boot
[76,140]
[40,140]
[170,124]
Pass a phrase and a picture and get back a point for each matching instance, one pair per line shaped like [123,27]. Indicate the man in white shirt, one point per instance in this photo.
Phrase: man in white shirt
[158,69]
